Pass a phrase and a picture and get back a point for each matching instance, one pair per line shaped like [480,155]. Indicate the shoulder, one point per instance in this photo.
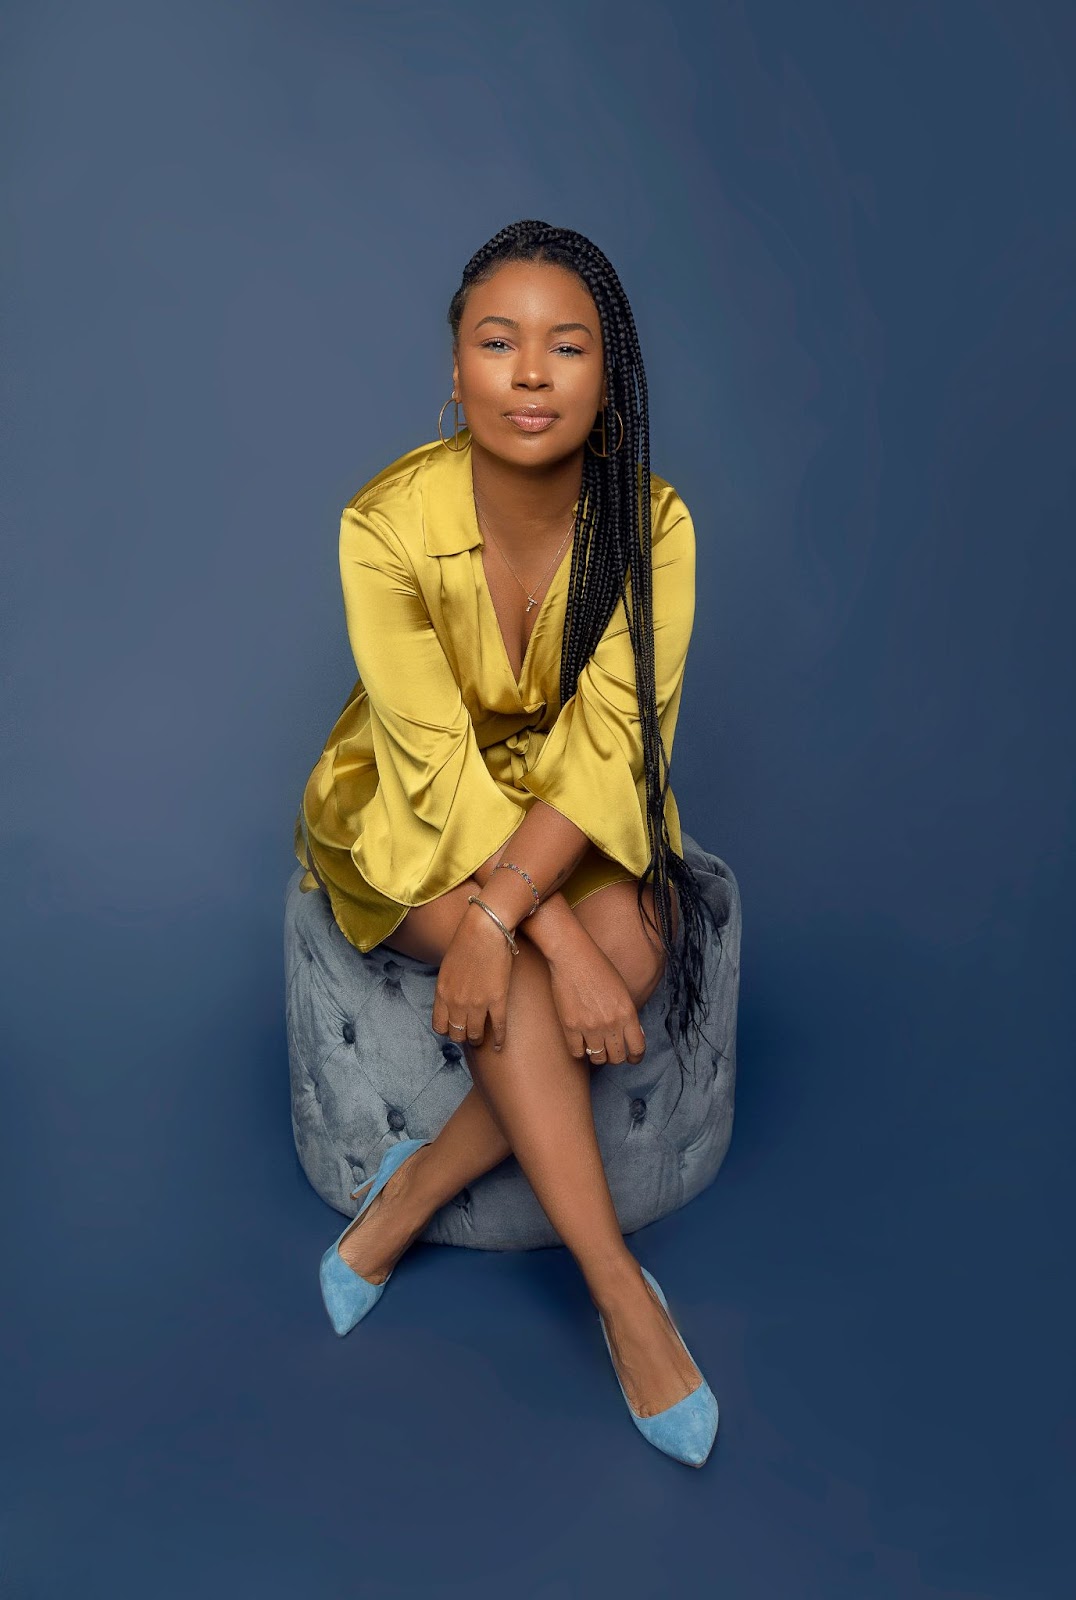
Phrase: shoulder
[390,504]
[395,483]
[670,518]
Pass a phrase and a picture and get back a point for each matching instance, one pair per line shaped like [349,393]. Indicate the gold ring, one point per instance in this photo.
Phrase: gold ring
[461,1025]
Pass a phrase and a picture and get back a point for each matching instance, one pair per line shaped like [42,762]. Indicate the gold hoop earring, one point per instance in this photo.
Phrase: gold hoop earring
[455,448]
[605,451]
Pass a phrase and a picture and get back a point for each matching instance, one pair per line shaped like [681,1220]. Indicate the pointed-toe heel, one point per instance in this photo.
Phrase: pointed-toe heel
[347,1296]
[686,1430]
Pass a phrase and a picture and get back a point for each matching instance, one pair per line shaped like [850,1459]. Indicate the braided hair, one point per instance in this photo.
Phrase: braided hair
[612,542]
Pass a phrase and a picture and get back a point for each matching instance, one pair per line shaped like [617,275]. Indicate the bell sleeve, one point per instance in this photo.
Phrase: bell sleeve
[590,767]
[436,813]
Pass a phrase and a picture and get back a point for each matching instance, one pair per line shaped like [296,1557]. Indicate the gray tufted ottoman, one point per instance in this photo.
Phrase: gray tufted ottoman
[367,1069]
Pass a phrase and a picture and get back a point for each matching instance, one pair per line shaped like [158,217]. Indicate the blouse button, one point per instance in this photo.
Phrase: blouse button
[638,1110]
[348,1031]
[396,1120]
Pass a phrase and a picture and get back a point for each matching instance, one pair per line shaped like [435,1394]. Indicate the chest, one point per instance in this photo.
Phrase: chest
[515,611]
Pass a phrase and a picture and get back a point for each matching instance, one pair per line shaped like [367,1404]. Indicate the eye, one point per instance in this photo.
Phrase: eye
[572,350]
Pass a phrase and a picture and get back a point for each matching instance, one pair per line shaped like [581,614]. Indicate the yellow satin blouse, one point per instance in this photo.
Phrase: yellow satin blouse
[439,749]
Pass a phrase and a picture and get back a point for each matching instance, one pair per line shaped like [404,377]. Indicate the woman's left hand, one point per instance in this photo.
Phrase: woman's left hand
[472,983]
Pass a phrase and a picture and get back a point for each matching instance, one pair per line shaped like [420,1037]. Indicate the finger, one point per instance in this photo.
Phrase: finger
[476,1027]
[596,1053]
[439,1019]
[614,1048]
[576,1043]
[635,1041]
[499,1023]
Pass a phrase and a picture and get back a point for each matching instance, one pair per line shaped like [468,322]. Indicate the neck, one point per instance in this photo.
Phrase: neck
[527,507]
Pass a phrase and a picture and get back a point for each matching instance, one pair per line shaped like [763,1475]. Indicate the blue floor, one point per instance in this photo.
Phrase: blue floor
[869,1285]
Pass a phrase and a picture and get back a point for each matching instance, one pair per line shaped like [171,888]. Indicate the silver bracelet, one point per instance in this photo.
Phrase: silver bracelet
[473,900]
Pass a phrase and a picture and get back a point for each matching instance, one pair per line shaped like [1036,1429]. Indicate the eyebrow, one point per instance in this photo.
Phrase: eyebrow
[558,327]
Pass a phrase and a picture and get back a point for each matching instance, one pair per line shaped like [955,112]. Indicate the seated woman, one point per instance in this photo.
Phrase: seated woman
[494,797]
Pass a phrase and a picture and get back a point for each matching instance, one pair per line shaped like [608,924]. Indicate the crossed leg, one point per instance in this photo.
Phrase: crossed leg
[533,1099]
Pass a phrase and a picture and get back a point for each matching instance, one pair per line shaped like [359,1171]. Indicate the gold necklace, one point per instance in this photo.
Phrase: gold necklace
[532,595]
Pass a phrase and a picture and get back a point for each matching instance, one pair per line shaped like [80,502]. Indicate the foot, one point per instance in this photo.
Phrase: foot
[651,1362]
[390,1224]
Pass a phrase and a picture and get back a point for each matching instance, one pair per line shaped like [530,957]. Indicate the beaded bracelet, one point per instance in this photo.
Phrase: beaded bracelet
[473,900]
[530,880]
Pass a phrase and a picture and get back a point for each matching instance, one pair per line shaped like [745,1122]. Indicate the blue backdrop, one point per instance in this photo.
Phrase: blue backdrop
[232,233]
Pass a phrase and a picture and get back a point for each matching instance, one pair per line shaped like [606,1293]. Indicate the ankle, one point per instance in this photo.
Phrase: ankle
[413,1196]
[614,1285]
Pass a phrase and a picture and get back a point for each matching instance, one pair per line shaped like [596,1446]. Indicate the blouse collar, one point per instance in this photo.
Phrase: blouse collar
[449,521]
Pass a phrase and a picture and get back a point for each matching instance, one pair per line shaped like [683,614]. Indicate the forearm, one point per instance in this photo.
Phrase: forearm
[548,847]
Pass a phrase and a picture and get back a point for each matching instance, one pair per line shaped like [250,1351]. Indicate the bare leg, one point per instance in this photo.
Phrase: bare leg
[534,1098]
[541,1096]
[469,1144]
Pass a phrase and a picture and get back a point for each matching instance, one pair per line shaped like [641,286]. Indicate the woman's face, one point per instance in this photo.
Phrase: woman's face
[529,340]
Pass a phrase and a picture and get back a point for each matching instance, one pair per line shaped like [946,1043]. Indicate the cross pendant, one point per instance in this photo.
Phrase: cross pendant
[530,602]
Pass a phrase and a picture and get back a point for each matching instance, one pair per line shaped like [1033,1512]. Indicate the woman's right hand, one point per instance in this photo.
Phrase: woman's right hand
[594,1005]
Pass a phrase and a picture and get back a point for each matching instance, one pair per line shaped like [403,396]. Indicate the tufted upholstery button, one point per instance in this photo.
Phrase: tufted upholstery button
[344,1119]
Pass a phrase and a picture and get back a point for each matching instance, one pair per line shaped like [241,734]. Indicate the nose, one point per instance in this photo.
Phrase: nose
[531,370]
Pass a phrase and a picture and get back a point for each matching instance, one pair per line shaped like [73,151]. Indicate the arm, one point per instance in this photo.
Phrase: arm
[589,779]
[437,795]
[436,810]
[589,784]
[590,776]
[591,766]
[549,847]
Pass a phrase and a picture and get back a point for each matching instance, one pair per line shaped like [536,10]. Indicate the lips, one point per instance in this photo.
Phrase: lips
[532,421]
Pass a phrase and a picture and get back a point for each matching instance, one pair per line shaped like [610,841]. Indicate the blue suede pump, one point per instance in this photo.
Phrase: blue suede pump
[686,1430]
[348,1297]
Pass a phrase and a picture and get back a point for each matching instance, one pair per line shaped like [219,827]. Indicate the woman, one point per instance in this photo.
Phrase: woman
[494,797]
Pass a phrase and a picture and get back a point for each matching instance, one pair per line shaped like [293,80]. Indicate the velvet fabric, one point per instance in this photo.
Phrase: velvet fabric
[367,1072]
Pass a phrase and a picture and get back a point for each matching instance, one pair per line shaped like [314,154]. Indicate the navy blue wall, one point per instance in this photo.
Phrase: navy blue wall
[231,236]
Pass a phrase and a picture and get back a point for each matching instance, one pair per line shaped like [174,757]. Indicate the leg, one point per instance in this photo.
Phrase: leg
[541,1099]
[654,1367]
[472,1141]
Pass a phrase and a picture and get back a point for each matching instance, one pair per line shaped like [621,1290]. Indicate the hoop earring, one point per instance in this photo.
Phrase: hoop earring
[605,451]
[455,448]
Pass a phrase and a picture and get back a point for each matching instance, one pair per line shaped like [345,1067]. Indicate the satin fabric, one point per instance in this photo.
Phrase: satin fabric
[439,749]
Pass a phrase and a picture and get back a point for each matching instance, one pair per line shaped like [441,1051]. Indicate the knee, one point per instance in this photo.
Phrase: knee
[645,975]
